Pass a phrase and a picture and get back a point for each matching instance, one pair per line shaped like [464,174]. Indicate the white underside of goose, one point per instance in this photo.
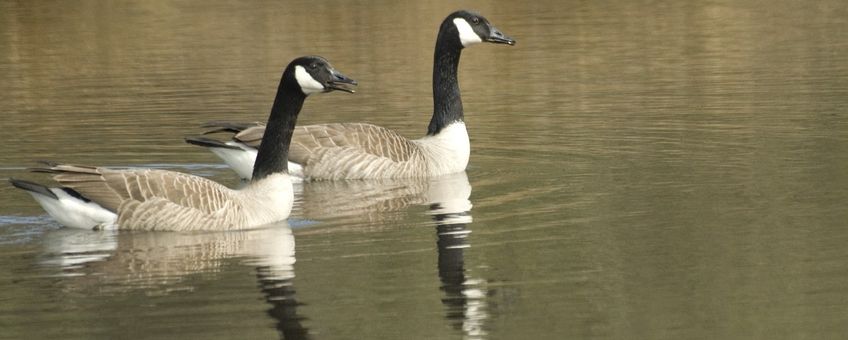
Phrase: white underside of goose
[242,160]
[74,212]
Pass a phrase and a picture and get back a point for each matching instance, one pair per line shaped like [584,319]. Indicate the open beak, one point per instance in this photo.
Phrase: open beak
[339,82]
[497,37]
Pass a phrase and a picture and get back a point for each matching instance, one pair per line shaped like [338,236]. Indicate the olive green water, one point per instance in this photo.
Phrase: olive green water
[639,170]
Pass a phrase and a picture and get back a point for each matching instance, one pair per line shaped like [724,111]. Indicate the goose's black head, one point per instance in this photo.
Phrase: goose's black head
[471,28]
[314,74]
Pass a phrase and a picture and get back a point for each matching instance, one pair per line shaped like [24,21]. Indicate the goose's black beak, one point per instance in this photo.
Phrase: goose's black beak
[339,82]
[497,37]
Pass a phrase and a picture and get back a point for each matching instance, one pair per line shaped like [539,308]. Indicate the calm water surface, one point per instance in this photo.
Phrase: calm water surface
[639,170]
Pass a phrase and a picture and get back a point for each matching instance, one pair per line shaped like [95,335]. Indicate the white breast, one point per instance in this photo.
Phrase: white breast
[268,200]
[448,151]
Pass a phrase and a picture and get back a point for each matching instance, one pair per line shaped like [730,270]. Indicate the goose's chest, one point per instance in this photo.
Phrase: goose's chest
[269,199]
[448,151]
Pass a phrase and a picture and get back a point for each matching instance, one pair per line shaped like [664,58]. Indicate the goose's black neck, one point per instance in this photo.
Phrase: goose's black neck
[273,155]
[447,104]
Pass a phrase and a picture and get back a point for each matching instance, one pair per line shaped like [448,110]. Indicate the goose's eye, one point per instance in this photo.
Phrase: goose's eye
[313,66]
[475,20]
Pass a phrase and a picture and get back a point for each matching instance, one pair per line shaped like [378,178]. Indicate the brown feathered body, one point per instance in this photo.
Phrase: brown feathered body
[367,151]
[150,199]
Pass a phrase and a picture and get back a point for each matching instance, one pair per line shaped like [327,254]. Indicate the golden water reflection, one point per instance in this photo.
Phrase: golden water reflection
[641,169]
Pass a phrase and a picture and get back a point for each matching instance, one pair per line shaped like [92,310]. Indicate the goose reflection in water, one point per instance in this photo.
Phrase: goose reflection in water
[158,262]
[465,297]
[363,204]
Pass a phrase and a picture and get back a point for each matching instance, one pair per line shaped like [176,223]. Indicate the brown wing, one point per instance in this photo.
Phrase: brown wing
[113,188]
[365,138]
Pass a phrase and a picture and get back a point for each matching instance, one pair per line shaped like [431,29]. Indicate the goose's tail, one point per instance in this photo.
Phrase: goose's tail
[240,152]
[68,206]
[238,156]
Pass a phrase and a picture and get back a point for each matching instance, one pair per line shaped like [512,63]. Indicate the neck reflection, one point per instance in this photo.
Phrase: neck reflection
[464,297]
[280,294]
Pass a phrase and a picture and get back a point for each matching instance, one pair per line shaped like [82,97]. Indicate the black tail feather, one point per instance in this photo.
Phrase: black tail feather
[33,187]
[209,143]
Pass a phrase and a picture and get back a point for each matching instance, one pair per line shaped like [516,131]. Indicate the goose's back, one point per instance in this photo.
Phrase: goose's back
[368,138]
[355,151]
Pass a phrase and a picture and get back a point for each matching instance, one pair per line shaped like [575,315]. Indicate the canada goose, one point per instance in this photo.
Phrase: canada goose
[93,197]
[360,150]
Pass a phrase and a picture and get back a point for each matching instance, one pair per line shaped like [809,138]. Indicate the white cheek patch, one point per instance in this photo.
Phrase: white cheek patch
[467,36]
[307,84]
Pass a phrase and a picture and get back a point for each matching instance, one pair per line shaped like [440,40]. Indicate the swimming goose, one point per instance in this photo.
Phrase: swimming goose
[148,199]
[360,150]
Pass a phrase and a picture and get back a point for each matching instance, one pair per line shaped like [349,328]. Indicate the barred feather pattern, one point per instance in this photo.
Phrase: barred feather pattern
[366,151]
[149,199]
